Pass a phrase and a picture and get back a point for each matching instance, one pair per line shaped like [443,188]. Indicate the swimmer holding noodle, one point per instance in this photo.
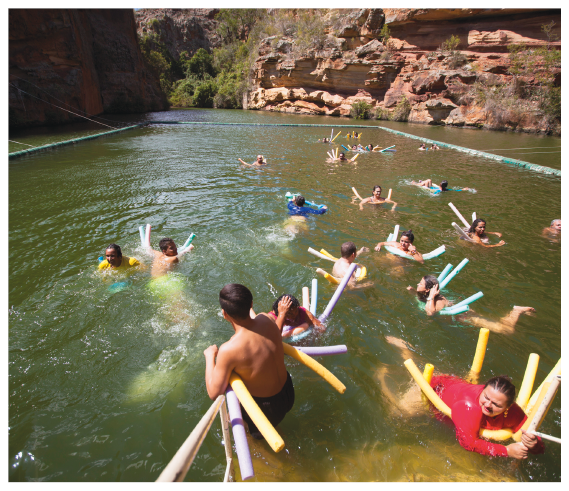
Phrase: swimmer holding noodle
[348,253]
[376,199]
[165,258]
[115,261]
[405,244]
[287,310]
[255,353]
[438,188]
[477,232]
[428,292]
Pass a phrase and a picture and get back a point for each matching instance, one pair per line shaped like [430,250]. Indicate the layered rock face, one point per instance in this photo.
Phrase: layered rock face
[181,29]
[84,61]
[355,65]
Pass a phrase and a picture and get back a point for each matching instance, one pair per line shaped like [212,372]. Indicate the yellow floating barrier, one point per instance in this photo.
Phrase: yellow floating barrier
[313,365]
[263,424]
[426,388]
[527,384]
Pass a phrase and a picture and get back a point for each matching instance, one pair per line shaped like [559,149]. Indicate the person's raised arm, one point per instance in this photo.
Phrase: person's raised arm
[362,250]
[244,163]
[417,256]
[431,306]
[495,233]
[217,371]
[477,239]
[363,201]
[284,306]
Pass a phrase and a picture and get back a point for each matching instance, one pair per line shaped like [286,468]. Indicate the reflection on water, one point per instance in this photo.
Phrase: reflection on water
[105,385]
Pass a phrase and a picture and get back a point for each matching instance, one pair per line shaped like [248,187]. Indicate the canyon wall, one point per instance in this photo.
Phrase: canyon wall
[355,65]
[86,61]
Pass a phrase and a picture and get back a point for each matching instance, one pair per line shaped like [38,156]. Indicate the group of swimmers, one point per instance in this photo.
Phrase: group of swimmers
[434,146]
[255,351]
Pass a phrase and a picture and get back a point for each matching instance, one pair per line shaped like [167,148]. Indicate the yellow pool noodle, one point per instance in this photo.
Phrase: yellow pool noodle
[329,277]
[554,372]
[359,136]
[389,194]
[428,372]
[544,388]
[357,155]
[314,365]
[480,352]
[260,420]
[426,388]
[326,253]
[356,193]
[499,435]
[336,153]
[527,384]
[336,136]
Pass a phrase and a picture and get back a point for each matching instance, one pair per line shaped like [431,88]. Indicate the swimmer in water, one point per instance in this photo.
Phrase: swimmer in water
[288,313]
[554,230]
[342,157]
[434,146]
[423,147]
[376,199]
[165,258]
[405,244]
[259,162]
[477,232]
[255,353]
[115,261]
[473,407]
[428,292]
[428,183]
[348,253]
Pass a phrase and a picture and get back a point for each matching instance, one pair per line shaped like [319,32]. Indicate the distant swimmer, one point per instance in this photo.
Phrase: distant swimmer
[477,232]
[428,183]
[115,261]
[342,157]
[405,244]
[434,146]
[165,258]
[291,318]
[255,353]
[428,292]
[474,407]
[554,230]
[296,207]
[324,140]
[258,163]
[348,253]
[376,199]
[423,147]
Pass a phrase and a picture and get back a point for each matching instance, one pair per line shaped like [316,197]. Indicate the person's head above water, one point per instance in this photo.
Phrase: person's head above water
[299,200]
[342,156]
[498,395]
[259,159]
[409,235]
[113,255]
[347,249]
[168,247]
[556,224]
[478,226]
[378,189]
[444,186]
[354,147]
[427,282]
[294,306]
[236,301]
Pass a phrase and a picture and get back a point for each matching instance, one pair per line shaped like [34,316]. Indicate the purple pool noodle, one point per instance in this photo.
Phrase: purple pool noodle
[323,350]
[241,445]
[338,292]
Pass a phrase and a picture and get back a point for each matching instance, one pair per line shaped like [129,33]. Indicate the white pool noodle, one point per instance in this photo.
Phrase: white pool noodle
[453,273]
[435,253]
[462,219]
[323,350]
[141,231]
[320,255]
[338,293]
[389,194]
[314,299]
[473,216]
[239,435]
[395,232]
[147,239]
[305,298]
[461,232]
[332,134]
[330,155]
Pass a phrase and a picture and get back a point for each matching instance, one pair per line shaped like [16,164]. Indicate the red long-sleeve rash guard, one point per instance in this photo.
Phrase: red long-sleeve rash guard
[462,398]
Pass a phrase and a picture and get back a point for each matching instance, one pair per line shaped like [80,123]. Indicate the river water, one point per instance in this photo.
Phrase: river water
[106,386]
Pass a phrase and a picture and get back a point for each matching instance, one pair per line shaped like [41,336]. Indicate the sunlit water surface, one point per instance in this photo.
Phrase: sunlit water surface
[106,386]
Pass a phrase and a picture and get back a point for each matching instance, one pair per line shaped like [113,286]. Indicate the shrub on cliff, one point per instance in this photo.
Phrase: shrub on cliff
[201,64]
[401,111]
[204,94]
[360,110]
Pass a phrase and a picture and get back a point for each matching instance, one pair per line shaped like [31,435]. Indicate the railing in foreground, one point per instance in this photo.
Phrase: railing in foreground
[178,467]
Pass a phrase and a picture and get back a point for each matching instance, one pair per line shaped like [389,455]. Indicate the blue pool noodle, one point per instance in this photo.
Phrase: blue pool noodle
[445,272]
[469,300]
[454,310]
[189,241]
[454,272]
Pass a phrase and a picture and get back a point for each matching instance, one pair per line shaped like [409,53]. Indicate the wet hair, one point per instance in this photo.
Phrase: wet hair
[348,248]
[117,249]
[430,281]
[552,222]
[299,200]
[375,187]
[409,235]
[444,185]
[342,154]
[504,385]
[475,224]
[163,244]
[293,300]
[371,147]
[354,146]
[236,300]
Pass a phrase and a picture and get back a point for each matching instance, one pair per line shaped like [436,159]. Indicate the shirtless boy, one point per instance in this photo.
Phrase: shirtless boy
[341,266]
[165,258]
[255,353]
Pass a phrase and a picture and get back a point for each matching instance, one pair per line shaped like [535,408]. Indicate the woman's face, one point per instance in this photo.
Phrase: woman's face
[421,286]
[404,242]
[377,192]
[292,314]
[492,402]
[479,229]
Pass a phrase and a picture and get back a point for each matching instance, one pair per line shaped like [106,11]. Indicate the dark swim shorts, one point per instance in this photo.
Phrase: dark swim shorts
[274,407]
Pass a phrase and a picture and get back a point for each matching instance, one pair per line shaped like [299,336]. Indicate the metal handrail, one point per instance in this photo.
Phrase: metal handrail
[178,467]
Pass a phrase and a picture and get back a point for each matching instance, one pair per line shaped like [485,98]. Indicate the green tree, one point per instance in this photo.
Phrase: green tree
[201,64]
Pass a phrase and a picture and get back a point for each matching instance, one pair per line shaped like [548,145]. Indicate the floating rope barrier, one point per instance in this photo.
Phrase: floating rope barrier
[51,146]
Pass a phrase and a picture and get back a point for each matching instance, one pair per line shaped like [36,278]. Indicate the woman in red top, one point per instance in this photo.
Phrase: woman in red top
[490,406]
[291,318]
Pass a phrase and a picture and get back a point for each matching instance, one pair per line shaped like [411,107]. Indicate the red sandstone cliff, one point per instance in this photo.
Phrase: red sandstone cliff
[355,65]
[77,59]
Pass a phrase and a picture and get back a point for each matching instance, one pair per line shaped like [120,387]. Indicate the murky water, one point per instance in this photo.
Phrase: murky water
[106,386]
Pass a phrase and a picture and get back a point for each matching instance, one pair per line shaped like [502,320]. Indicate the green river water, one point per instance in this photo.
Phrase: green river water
[106,386]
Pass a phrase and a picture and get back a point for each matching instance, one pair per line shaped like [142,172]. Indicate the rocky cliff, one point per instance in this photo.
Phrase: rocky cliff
[84,61]
[355,65]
